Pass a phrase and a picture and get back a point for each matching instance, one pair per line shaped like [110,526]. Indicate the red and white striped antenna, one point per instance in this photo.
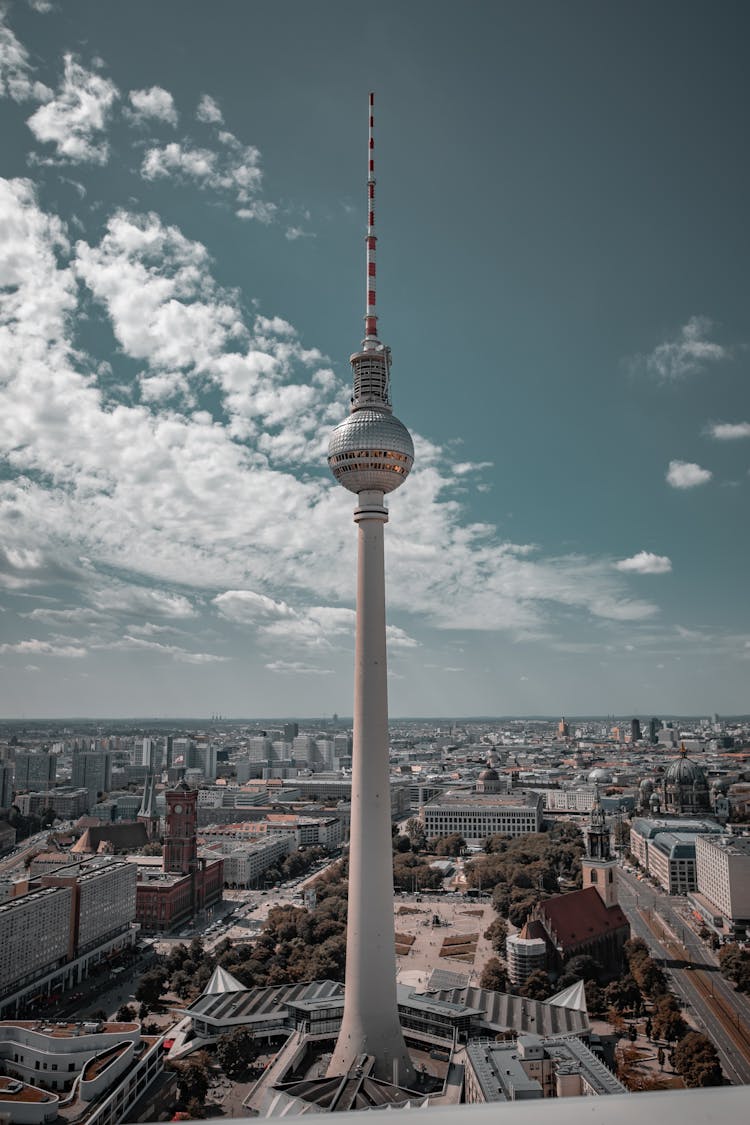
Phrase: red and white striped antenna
[371,317]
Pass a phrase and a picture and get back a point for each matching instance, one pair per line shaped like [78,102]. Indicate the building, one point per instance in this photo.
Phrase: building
[69,919]
[178,885]
[684,790]
[308,831]
[645,830]
[370,453]
[246,862]
[35,769]
[6,786]
[67,802]
[526,952]
[148,812]
[437,1018]
[598,865]
[100,1069]
[671,860]
[588,921]
[34,936]
[475,816]
[535,1067]
[92,770]
[723,878]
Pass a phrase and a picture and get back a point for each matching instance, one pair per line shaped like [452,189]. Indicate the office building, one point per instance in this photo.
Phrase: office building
[475,816]
[723,878]
[34,770]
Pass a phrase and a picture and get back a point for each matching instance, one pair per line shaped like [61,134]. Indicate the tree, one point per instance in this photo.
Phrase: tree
[667,1020]
[497,933]
[234,1051]
[660,1058]
[696,1060]
[182,984]
[192,1078]
[494,976]
[151,985]
[453,845]
[125,1014]
[537,986]
[583,967]
[415,831]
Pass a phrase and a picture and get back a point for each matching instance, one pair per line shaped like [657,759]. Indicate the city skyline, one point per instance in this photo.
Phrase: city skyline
[181,271]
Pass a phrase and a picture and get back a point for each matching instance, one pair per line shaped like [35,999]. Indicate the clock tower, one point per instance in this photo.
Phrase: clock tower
[180,841]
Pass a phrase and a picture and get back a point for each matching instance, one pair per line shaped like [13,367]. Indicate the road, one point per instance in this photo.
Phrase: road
[716,1008]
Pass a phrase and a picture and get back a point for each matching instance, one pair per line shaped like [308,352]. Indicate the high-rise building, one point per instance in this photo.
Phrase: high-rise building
[653,731]
[370,453]
[34,770]
[6,786]
[635,730]
[291,730]
[92,770]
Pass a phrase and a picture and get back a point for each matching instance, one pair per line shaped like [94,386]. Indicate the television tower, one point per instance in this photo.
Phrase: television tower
[371,453]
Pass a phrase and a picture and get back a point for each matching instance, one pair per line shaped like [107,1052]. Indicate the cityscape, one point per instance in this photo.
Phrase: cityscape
[514,864]
[570,912]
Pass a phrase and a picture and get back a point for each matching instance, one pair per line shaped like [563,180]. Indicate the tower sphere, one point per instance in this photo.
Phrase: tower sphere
[370,449]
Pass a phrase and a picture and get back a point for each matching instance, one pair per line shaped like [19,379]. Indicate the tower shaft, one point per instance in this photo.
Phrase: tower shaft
[370,1023]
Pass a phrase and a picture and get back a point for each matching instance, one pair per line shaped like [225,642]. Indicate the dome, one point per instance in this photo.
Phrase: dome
[646,785]
[370,449]
[489,775]
[601,775]
[720,785]
[684,771]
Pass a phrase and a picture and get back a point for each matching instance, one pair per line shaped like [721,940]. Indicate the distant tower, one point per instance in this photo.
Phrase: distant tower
[597,865]
[148,813]
[563,728]
[635,730]
[181,836]
[371,453]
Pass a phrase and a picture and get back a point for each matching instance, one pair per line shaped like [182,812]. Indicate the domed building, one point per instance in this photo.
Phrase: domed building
[645,789]
[685,788]
[489,781]
[600,776]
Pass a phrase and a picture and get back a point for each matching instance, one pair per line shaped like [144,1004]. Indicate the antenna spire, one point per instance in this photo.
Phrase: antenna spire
[371,317]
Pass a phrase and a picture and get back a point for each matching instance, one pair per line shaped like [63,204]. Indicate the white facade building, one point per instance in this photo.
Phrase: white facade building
[723,875]
[476,816]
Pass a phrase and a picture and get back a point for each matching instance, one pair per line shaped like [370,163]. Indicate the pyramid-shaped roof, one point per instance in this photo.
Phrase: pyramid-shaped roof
[222,981]
[573,998]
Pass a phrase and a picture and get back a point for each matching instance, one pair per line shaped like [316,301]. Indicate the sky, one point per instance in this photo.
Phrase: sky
[562,276]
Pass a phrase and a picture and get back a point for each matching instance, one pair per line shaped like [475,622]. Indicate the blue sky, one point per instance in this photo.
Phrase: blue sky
[562,212]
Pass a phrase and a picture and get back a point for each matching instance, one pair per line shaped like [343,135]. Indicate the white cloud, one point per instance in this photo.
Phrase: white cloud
[686,474]
[296,668]
[690,353]
[44,7]
[293,233]
[730,431]
[176,501]
[154,104]
[45,648]
[645,563]
[234,170]
[77,116]
[464,467]
[209,111]
[16,72]
[181,655]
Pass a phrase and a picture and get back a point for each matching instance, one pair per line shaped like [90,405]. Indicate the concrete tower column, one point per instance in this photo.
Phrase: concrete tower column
[370,1024]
